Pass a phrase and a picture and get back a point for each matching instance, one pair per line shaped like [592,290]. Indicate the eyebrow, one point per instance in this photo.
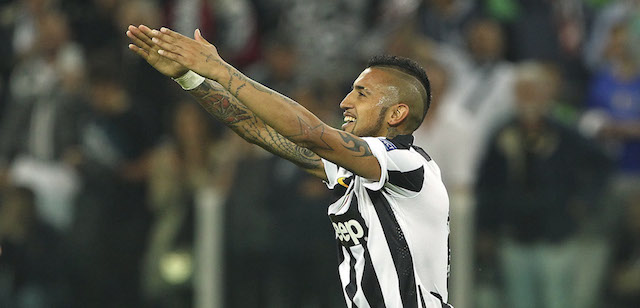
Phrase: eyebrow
[362,88]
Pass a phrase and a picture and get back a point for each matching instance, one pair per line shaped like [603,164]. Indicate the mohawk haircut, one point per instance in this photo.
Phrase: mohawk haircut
[406,66]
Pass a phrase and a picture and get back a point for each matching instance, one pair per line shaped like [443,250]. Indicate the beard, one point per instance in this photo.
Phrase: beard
[372,131]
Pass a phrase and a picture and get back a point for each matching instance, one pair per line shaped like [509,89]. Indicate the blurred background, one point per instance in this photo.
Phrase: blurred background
[116,190]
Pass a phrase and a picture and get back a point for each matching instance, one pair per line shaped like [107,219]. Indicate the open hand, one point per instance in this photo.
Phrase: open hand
[196,54]
[145,48]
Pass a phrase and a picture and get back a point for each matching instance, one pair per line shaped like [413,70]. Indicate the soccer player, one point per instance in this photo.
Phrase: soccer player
[391,209]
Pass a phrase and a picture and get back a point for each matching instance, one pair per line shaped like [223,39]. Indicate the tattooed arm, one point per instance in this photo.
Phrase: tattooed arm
[284,115]
[226,108]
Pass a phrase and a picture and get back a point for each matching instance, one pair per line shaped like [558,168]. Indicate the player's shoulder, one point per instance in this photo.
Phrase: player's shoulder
[402,147]
[400,142]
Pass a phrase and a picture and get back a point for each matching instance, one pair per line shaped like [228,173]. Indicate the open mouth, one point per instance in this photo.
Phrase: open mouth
[349,119]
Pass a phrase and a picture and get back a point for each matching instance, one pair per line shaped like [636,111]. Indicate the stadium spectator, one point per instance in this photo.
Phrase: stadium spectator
[95,16]
[40,129]
[31,255]
[445,21]
[614,100]
[612,14]
[613,117]
[112,219]
[538,183]
[335,34]
[484,86]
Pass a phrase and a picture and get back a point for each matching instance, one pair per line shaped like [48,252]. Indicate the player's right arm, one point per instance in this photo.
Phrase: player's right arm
[225,107]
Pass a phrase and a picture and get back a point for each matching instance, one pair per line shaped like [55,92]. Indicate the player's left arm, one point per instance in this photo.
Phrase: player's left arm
[286,116]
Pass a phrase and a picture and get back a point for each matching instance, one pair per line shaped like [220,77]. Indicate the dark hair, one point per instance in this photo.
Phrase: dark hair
[407,66]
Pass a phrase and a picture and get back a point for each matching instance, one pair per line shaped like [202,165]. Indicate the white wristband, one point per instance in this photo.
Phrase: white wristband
[190,80]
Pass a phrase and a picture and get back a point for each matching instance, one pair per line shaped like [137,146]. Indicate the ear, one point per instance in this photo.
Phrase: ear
[399,113]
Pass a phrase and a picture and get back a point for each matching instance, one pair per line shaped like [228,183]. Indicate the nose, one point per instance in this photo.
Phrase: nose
[345,103]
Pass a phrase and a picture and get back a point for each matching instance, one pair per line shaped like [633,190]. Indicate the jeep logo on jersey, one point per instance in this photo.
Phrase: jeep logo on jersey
[350,227]
[349,231]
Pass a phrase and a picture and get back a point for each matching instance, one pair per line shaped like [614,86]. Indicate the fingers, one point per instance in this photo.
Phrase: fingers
[141,52]
[146,30]
[172,56]
[137,41]
[172,33]
[138,33]
[198,36]
[169,38]
[165,46]
[167,42]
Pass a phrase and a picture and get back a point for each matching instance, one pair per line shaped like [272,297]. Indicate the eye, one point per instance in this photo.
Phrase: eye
[360,94]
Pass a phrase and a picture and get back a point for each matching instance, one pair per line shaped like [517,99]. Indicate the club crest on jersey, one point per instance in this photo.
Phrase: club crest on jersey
[388,144]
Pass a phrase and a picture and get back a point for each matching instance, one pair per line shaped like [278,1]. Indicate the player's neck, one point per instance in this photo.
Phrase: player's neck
[392,132]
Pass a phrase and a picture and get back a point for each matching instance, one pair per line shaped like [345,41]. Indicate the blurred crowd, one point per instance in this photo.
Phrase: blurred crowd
[116,190]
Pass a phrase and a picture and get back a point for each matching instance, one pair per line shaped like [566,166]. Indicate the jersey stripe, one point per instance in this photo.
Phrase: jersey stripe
[340,253]
[352,287]
[411,180]
[439,297]
[422,152]
[422,298]
[343,270]
[398,247]
[370,283]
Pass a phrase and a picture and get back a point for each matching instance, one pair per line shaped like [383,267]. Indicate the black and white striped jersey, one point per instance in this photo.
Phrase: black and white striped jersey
[392,233]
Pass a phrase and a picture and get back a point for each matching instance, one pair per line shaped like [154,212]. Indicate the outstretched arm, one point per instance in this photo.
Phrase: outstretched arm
[287,117]
[226,108]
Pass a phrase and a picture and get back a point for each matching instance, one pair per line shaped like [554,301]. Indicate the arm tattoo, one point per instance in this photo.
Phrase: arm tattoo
[209,56]
[223,106]
[355,145]
[239,80]
[243,80]
[315,134]
[220,107]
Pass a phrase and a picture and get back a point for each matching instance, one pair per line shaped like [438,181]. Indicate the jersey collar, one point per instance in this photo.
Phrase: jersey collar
[402,141]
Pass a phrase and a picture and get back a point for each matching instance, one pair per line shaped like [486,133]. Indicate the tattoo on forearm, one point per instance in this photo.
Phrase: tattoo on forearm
[315,134]
[226,108]
[219,106]
[239,81]
[209,56]
[355,145]
[238,90]
[289,150]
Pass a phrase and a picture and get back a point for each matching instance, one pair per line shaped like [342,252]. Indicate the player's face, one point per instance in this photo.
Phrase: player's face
[365,107]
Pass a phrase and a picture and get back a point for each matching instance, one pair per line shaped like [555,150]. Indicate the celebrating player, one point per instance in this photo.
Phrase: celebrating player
[391,209]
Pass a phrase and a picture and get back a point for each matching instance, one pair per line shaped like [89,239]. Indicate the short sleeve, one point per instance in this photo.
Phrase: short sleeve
[331,170]
[379,151]
[402,169]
